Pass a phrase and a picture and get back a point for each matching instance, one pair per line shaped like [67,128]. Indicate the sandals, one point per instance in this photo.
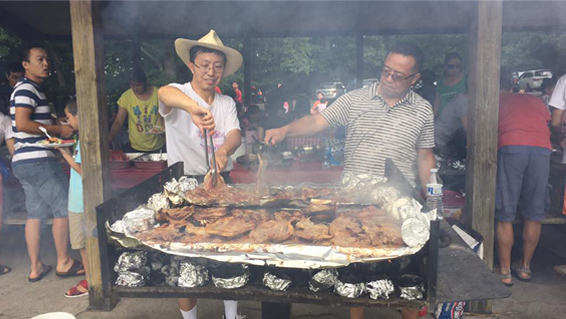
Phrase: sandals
[506,279]
[76,267]
[521,272]
[45,269]
[4,270]
[75,292]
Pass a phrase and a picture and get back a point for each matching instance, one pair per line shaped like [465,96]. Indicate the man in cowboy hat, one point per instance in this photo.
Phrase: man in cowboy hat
[190,108]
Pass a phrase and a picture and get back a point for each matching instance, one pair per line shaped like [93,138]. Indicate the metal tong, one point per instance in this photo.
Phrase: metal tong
[212,170]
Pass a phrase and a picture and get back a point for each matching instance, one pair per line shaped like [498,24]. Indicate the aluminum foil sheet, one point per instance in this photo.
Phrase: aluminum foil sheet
[140,219]
[277,283]
[131,261]
[384,195]
[118,227]
[415,229]
[130,279]
[233,282]
[365,181]
[349,290]
[411,287]
[158,202]
[323,280]
[192,275]
[380,289]
[174,189]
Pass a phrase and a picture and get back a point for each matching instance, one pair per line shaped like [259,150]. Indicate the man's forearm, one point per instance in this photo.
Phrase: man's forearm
[308,125]
[426,162]
[556,118]
[32,127]
[174,98]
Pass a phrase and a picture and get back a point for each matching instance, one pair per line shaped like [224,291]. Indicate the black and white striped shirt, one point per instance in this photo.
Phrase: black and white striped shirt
[376,131]
[28,94]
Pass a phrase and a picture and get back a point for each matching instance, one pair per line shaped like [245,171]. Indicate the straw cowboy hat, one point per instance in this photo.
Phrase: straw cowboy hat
[212,41]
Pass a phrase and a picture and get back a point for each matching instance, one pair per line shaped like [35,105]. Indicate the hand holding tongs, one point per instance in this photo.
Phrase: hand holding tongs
[212,170]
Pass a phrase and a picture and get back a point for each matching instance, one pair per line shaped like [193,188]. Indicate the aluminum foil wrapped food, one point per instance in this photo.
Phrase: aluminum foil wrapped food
[323,280]
[130,279]
[276,281]
[380,287]
[138,220]
[131,261]
[349,287]
[158,201]
[384,195]
[411,287]
[365,181]
[118,227]
[415,229]
[174,189]
[230,276]
[192,275]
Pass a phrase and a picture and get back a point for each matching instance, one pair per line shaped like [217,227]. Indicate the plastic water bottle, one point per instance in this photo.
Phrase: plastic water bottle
[434,193]
[327,156]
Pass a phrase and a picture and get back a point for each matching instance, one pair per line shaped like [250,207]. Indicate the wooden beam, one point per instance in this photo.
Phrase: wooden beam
[93,127]
[248,66]
[485,57]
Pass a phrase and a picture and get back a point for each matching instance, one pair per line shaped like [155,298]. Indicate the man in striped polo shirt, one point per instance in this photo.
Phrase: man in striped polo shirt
[384,120]
[44,183]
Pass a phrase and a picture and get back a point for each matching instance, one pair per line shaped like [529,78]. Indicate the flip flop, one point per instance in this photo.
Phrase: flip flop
[522,273]
[4,270]
[45,269]
[560,269]
[73,271]
[75,293]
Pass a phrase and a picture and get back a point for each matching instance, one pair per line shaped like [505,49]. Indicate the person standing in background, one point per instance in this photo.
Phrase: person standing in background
[140,105]
[236,88]
[453,82]
[14,72]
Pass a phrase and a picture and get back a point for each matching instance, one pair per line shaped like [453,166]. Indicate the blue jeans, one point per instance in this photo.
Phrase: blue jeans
[46,188]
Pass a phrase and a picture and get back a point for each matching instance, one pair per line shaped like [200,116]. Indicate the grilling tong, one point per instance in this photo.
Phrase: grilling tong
[213,171]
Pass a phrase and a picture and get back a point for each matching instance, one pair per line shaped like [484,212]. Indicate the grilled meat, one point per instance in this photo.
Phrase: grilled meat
[228,227]
[274,231]
[307,230]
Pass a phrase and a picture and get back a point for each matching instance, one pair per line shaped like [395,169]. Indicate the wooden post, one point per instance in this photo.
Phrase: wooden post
[359,60]
[485,57]
[93,127]
[248,65]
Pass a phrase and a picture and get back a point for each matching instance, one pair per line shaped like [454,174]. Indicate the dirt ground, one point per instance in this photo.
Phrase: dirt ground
[543,298]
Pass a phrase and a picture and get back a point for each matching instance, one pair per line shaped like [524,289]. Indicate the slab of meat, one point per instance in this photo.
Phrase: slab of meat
[180,213]
[291,217]
[208,215]
[307,230]
[347,232]
[230,227]
[320,212]
[258,215]
[274,231]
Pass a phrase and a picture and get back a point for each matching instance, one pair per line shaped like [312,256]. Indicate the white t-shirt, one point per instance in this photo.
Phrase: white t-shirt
[5,128]
[558,98]
[185,143]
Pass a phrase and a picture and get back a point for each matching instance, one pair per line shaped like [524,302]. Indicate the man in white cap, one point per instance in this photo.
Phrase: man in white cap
[191,107]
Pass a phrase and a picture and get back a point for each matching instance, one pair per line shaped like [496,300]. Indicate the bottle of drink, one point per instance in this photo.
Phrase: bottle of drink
[327,156]
[434,193]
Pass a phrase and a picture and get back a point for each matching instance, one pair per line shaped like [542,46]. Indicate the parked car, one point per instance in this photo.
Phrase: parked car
[331,90]
[257,95]
[532,79]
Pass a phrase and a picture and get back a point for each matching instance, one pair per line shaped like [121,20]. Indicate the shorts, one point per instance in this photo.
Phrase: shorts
[522,179]
[77,230]
[46,188]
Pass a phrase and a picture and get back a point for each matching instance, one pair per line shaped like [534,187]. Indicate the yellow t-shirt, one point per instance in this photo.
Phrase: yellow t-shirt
[142,117]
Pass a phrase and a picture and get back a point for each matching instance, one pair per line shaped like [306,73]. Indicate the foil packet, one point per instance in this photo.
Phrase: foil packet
[384,195]
[231,279]
[415,225]
[363,181]
[175,190]
[411,287]
[131,261]
[130,279]
[276,282]
[158,202]
[138,220]
[380,288]
[349,290]
[119,227]
[323,280]
[192,275]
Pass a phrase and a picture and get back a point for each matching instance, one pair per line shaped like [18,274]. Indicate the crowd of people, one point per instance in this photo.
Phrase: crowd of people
[433,120]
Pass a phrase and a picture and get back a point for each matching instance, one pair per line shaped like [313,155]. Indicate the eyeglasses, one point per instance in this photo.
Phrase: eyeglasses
[385,73]
[206,68]
[453,66]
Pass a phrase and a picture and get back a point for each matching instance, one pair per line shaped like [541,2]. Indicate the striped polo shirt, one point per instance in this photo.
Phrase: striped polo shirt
[376,131]
[28,94]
